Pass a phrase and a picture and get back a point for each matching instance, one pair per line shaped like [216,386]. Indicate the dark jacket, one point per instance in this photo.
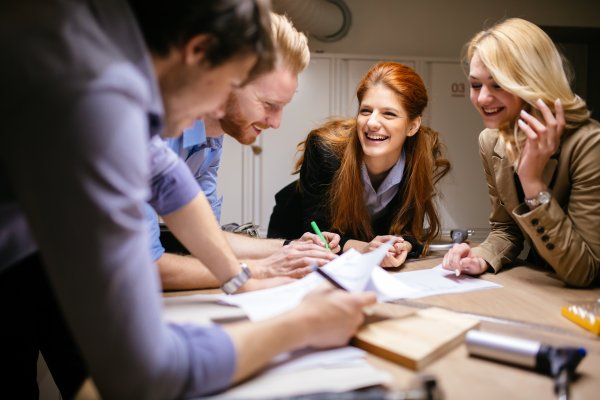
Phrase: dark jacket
[305,200]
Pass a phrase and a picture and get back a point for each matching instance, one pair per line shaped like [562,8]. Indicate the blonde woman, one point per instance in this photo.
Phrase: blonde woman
[540,155]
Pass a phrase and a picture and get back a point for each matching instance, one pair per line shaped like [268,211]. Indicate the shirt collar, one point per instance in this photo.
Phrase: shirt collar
[195,135]
[392,179]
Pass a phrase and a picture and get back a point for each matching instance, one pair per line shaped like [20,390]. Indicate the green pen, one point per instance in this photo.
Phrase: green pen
[318,232]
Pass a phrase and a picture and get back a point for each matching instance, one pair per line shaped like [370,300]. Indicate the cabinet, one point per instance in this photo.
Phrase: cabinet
[249,178]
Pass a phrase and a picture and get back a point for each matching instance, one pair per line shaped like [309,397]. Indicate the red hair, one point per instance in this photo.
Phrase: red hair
[425,163]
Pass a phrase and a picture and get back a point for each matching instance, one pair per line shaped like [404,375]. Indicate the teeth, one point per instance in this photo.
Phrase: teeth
[376,137]
[491,110]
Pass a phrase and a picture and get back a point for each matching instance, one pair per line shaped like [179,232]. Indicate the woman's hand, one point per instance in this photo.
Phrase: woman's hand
[461,258]
[333,240]
[542,142]
[396,254]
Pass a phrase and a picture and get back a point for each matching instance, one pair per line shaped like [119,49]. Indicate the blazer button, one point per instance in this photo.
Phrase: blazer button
[540,230]
[549,246]
[545,238]
[535,221]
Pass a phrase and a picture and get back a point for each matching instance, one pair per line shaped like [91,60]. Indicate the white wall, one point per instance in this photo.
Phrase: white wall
[421,31]
[439,28]
[249,181]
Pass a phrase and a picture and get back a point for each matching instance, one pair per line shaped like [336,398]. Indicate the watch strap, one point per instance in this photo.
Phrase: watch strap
[233,284]
[542,197]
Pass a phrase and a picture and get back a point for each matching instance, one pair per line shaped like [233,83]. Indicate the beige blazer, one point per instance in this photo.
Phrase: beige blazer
[564,232]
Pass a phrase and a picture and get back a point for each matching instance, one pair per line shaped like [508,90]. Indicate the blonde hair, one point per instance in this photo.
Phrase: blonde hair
[291,46]
[524,61]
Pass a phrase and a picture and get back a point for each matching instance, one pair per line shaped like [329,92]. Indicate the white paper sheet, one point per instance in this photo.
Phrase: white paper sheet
[436,280]
[352,270]
[311,371]
[311,358]
[358,272]
[201,309]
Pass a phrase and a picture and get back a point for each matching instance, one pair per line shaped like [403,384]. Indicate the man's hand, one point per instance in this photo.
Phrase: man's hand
[331,316]
[293,260]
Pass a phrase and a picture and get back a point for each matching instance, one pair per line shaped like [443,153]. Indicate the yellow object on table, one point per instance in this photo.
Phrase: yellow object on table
[586,315]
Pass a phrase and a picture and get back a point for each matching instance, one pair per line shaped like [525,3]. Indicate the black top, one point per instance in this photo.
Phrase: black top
[295,209]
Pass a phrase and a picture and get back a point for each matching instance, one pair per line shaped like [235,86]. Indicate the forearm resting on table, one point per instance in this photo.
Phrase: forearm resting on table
[257,343]
[357,245]
[184,273]
[179,272]
[245,246]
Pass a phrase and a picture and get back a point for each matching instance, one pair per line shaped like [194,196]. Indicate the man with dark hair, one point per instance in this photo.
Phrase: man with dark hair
[80,97]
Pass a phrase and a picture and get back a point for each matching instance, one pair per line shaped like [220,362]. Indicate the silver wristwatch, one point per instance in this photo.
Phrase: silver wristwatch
[232,285]
[541,198]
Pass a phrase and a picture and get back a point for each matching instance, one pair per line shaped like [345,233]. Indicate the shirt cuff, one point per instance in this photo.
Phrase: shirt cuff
[212,358]
[417,248]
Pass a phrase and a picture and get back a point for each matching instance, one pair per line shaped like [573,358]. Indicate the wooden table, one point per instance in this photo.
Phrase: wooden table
[527,306]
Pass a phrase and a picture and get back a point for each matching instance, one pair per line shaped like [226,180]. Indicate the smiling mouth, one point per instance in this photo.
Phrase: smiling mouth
[491,111]
[258,128]
[374,137]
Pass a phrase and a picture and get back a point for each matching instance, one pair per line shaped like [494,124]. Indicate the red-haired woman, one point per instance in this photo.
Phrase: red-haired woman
[372,177]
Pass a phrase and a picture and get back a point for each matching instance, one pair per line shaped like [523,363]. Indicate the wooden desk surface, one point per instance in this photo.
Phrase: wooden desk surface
[529,296]
[527,306]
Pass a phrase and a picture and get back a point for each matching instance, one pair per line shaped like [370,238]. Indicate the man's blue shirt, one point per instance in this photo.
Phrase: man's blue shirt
[202,156]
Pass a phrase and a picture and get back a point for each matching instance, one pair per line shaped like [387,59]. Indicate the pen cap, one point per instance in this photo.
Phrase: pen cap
[503,348]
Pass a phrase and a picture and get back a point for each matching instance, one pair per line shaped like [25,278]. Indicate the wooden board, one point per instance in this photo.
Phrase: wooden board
[416,339]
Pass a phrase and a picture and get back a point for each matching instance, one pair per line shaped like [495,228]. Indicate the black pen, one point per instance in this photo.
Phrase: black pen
[328,277]
[368,311]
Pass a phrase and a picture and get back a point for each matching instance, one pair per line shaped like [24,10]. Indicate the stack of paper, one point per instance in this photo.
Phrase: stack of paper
[357,272]
[311,371]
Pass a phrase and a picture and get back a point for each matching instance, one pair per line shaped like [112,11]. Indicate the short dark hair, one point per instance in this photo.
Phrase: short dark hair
[236,27]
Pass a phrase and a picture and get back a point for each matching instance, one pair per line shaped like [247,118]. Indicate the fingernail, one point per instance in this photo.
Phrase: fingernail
[368,311]
[525,113]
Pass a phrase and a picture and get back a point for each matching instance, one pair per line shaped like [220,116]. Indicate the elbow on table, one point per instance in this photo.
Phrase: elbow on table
[582,275]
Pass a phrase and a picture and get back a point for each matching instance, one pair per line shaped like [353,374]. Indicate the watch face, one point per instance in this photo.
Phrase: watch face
[543,197]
